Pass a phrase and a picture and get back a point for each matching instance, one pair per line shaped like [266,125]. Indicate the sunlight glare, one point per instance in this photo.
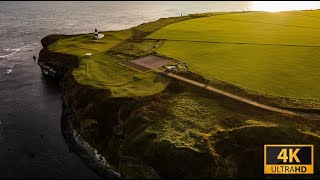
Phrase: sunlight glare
[277,6]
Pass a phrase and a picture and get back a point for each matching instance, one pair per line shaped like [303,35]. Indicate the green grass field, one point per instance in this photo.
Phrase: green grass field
[272,53]
[103,71]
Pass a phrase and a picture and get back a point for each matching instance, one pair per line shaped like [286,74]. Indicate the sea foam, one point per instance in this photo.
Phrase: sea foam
[12,52]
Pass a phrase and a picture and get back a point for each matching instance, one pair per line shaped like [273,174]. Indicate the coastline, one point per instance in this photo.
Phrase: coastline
[78,145]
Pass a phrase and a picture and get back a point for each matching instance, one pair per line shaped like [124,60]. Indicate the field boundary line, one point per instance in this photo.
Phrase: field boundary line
[241,43]
[286,25]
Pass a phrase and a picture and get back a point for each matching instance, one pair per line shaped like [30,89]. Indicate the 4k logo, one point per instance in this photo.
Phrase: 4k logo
[288,159]
[292,154]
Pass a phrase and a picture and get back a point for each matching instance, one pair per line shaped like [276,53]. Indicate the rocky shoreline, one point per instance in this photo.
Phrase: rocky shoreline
[82,148]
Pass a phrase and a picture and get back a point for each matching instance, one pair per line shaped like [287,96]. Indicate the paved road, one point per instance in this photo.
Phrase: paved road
[242,99]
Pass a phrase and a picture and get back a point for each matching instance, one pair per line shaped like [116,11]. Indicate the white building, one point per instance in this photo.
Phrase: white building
[88,54]
[171,68]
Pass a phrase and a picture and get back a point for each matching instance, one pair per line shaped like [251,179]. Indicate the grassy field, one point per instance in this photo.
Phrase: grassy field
[272,53]
[254,27]
[103,71]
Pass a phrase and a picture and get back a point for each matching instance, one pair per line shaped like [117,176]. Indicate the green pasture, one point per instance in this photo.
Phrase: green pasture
[103,71]
[273,53]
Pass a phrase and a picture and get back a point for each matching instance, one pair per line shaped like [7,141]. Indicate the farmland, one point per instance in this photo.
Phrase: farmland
[271,53]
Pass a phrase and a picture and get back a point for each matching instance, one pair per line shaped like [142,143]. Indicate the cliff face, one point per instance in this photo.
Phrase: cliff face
[94,113]
[79,102]
[52,63]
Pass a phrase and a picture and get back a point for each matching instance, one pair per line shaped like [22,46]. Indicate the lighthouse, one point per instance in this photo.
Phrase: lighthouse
[97,35]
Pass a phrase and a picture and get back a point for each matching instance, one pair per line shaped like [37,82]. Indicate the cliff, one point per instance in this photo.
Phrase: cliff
[59,66]
[114,126]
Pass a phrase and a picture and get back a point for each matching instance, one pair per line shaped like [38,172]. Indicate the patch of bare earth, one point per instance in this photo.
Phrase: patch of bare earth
[151,62]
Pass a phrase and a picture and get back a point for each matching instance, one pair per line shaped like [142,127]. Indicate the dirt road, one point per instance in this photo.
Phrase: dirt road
[242,99]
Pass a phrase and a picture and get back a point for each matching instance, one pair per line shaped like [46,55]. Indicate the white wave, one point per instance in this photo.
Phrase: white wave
[10,50]
[9,71]
[29,47]
[10,54]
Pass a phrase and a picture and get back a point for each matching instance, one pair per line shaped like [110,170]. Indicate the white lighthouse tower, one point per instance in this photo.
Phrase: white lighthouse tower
[97,35]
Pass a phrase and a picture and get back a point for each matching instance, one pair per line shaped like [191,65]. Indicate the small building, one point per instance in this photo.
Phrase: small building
[88,54]
[97,35]
[170,68]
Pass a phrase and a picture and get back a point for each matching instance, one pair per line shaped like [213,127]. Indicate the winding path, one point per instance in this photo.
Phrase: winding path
[242,99]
